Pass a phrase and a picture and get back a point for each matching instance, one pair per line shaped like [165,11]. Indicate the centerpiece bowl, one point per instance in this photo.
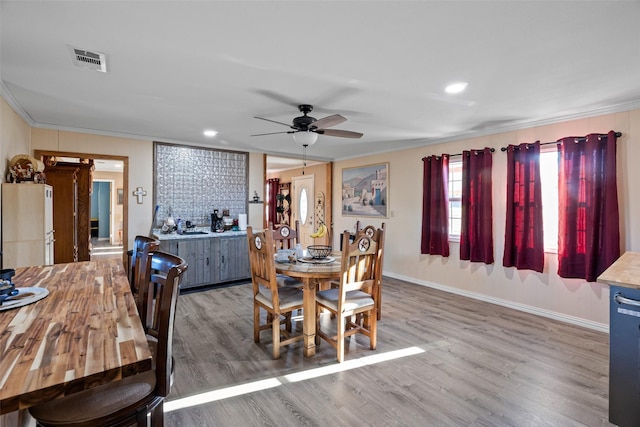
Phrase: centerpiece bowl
[318,251]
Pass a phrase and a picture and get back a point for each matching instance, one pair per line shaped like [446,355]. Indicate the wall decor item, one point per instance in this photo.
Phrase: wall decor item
[120,196]
[365,191]
[190,182]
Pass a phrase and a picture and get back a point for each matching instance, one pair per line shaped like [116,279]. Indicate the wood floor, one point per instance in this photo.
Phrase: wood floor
[442,360]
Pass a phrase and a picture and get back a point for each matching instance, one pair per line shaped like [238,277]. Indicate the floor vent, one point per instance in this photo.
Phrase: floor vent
[86,59]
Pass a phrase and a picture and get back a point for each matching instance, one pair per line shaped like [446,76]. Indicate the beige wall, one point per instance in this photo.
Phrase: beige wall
[542,293]
[15,136]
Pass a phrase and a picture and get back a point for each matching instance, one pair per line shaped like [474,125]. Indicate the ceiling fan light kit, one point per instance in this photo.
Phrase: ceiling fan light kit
[306,128]
[303,138]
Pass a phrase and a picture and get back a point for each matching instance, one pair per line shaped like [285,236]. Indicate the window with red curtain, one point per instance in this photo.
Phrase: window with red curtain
[476,237]
[272,190]
[523,236]
[589,234]
[435,206]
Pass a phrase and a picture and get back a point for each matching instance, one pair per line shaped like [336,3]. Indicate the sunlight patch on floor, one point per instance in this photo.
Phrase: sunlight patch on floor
[241,389]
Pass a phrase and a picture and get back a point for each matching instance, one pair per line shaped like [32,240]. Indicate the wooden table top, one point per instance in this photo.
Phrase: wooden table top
[86,332]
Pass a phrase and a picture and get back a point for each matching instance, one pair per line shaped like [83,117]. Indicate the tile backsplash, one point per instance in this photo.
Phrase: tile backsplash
[190,182]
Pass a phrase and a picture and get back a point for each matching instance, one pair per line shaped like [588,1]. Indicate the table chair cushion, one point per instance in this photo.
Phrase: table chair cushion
[288,296]
[354,299]
[96,402]
[284,280]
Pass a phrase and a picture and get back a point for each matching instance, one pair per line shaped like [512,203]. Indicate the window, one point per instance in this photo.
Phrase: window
[549,181]
[455,198]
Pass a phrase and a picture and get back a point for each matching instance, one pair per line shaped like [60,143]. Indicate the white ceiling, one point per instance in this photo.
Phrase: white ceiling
[176,68]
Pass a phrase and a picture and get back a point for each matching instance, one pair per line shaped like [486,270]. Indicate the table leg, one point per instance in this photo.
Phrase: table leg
[309,321]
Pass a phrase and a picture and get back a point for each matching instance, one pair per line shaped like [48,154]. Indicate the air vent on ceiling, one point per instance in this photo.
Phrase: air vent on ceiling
[87,59]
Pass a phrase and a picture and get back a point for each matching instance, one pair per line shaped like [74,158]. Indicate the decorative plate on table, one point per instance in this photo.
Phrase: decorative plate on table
[311,260]
[24,297]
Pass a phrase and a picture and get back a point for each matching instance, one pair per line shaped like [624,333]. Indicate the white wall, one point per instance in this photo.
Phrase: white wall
[542,293]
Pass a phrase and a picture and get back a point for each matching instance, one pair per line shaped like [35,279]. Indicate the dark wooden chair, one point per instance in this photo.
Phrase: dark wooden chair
[139,245]
[278,301]
[356,295]
[129,401]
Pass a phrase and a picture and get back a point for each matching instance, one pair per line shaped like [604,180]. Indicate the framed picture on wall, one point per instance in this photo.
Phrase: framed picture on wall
[120,196]
[365,191]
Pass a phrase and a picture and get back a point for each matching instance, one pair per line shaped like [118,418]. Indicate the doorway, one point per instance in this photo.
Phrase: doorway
[106,238]
[120,176]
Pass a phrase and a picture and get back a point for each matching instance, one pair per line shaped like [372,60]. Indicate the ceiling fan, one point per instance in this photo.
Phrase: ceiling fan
[305,129]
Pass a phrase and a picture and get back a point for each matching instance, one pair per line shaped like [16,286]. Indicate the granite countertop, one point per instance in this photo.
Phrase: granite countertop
[201,233]
[625,271]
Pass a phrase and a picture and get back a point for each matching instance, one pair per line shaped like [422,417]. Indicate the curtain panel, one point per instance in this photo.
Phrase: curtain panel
[524,238]
[589,233]
[435,206]
[476,237]
[273,187]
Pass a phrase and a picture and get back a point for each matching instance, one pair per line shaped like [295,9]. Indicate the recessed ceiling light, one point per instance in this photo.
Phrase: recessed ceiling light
[456,87]
[210,133]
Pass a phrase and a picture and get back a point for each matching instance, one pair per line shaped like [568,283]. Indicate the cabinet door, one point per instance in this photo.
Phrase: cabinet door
[195,252]
[234,259]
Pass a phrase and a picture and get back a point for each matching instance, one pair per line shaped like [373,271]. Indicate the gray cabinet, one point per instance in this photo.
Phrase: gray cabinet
[211,260]
[233,258]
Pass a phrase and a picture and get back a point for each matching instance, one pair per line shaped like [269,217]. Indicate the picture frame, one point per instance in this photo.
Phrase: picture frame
[365,191]
[120,192]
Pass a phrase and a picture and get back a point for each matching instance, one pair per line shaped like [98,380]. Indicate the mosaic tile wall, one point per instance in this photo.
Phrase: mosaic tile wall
[190,182]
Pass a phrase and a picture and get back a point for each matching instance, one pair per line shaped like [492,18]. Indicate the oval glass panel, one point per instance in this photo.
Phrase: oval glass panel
[303,206]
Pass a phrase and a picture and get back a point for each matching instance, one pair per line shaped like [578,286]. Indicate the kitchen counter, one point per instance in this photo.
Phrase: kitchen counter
[625,271]
[206,234]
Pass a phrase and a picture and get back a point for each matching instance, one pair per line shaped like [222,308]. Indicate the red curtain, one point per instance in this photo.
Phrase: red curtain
[435,206]
[476,237]
[589,234]
[273,187]
[523,236]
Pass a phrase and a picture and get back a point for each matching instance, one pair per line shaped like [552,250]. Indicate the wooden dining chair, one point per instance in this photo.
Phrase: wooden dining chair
[356,295]
[129,401]
[278,301]
[286,237]
[143,250]
[370,231]
[141,244]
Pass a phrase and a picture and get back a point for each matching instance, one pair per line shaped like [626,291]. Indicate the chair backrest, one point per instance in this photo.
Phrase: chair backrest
[142,247]
[166,274]
[361,267]
[263,267]
[286,237]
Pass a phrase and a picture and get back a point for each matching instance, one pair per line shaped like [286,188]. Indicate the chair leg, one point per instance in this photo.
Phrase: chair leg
[373,328]
[275,329]
[340,337]
[256,323]
[157,415]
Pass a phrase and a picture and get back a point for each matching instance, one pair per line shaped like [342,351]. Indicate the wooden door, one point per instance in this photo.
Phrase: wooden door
[65,189]
[303,209]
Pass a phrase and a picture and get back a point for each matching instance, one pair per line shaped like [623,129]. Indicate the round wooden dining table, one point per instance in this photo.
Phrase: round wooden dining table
[312,273]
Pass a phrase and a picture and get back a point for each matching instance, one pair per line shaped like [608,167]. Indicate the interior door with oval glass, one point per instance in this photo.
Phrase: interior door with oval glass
[303,189]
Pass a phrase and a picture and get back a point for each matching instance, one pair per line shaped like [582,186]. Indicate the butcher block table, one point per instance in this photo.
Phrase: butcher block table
[86,332]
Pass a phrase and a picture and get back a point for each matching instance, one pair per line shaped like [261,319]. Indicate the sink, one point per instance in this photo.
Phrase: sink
[190,232]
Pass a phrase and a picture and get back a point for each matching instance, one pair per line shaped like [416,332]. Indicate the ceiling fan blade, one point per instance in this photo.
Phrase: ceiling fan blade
[340,133]
[278,97]
[273,121]
[272,133]
[329,121]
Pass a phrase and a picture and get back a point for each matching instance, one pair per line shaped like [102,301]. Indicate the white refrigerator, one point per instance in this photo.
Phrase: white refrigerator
[27,225]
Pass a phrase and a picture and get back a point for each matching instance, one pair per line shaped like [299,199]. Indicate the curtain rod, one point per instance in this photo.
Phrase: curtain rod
[460,154]
[618,135]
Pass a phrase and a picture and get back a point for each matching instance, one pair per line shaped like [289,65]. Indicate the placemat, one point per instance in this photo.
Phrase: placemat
[25,296]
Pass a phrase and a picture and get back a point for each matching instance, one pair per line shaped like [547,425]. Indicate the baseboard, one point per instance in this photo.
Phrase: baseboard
[601,327]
